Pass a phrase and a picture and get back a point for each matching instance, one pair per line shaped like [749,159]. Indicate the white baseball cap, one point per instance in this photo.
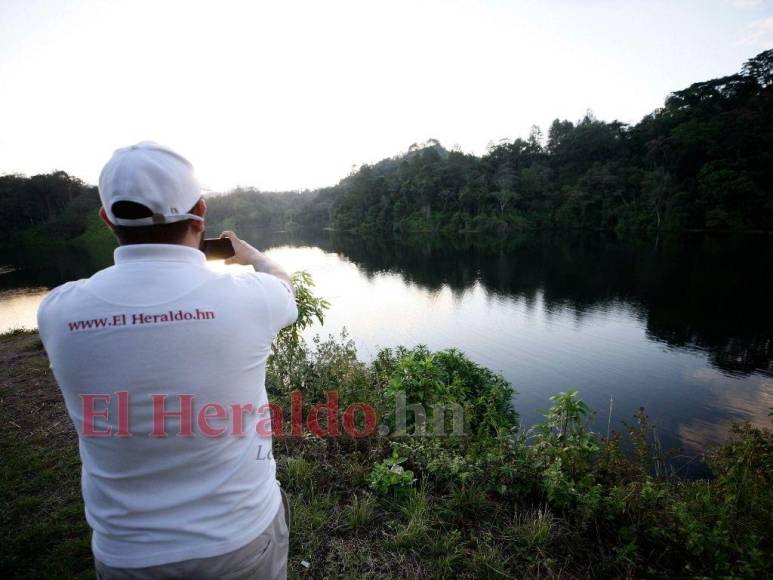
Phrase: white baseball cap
[153,176]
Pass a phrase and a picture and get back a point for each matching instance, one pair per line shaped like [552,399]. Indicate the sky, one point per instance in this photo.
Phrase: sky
[291,95]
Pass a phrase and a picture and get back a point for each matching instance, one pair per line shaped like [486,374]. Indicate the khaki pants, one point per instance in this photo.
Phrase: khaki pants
[264,557]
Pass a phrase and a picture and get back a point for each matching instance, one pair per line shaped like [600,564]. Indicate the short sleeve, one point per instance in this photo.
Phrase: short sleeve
[52,300]
[282,309]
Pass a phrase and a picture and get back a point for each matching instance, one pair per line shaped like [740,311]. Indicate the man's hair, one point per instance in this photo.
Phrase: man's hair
[172,233]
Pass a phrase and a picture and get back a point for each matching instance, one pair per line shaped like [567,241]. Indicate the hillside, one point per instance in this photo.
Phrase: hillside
[702,161]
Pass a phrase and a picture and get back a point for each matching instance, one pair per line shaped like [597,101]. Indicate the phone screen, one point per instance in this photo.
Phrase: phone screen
[217,248]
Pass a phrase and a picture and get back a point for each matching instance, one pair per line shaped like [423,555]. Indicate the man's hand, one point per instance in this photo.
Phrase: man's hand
[246,255]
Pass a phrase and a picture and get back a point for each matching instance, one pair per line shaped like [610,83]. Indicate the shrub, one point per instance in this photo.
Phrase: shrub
[558,498]
[389,476]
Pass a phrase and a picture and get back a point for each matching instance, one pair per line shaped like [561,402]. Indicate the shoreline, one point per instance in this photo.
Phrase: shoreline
[481,506]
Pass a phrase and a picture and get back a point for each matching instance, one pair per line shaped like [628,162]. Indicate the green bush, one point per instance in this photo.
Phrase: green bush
[390,477]
[557,500]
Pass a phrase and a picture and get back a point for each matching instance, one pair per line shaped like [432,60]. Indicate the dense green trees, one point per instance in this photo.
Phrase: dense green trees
[702,161]
[54,204]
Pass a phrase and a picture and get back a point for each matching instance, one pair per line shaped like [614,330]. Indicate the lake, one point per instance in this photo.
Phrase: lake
[680,325]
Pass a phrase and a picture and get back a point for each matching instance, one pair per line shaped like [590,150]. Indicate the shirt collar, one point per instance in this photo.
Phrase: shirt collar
[158,253]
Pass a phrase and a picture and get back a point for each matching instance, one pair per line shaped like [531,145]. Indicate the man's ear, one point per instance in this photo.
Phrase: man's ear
[104,218]
[200,209]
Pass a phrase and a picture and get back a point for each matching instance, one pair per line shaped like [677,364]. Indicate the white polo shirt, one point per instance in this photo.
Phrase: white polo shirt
[160,322]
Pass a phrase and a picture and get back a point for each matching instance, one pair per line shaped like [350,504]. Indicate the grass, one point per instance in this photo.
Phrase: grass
[360,512]
[44,532]
[566,505]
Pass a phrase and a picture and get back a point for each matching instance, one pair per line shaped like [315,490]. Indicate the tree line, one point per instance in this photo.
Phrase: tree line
[702,161]
[52,205]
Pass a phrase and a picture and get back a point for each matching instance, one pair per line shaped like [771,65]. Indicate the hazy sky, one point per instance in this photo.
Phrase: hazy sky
[285,95]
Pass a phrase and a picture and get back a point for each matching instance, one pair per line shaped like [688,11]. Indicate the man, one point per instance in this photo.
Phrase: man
[162,364]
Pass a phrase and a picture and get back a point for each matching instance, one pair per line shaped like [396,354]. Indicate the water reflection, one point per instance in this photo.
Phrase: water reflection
[680,325]
[19,307]
[711,293]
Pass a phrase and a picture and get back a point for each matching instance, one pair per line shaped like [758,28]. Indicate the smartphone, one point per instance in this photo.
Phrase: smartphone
[217,248]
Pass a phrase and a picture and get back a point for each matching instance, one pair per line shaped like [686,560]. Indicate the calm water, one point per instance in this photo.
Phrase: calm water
[681,325]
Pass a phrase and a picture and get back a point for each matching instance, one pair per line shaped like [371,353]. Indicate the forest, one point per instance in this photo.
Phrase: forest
[703,161]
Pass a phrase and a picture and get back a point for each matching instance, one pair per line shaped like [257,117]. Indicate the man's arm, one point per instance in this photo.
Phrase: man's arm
[246,255]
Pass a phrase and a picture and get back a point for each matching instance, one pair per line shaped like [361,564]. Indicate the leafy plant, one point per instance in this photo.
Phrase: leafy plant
[564,437]
[288,365]
[389,476]
[310,308]
[449,377]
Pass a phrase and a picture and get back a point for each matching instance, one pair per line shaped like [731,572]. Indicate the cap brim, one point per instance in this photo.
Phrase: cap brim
[155,220]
